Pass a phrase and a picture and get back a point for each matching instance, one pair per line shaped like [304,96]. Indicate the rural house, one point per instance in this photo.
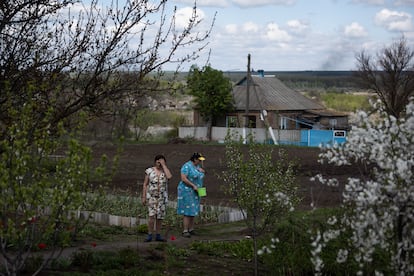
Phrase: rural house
[275,114]
[272,104]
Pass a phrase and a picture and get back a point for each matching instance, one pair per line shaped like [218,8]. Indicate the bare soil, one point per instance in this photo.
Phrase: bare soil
[134,159]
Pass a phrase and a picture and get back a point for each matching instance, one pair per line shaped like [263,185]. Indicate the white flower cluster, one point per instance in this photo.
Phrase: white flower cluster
[317,245]
[381,203]
[342,256]
[283,199]
[331,182]
[267,250]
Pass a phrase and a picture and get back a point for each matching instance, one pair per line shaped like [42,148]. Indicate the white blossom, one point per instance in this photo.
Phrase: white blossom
[376,200]
[342,256]
[275,240]
[332,220]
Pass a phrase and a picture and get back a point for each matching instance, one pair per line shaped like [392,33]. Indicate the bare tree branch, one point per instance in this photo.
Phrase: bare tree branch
[390,75]
[72,57]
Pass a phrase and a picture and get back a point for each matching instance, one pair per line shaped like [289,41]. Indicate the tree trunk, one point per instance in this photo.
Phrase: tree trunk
[209,127]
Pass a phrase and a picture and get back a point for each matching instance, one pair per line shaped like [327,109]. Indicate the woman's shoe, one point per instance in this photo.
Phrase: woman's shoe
[149,238]
[192,233]
[159,238]
[186,234]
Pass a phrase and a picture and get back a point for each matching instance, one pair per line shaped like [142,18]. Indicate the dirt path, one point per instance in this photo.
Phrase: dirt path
[205,233]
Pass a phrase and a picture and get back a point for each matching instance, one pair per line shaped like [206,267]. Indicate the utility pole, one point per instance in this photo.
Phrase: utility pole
[246,116]
[247,92]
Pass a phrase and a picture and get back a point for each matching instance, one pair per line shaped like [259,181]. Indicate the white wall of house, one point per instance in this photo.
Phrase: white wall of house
[260,135]
[198,133]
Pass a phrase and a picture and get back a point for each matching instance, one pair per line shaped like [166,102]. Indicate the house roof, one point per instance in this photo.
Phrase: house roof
[269,93]
[327,113]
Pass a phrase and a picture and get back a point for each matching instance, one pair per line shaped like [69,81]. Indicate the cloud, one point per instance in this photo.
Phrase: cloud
[370,2]
[297,26]
[184,14]
[354,30]
[404,2]
[251,33]
[231,28]
[301,42]
[250,27]
[274,33]
[249,3]
[206,3]
[394,20]
[240,3]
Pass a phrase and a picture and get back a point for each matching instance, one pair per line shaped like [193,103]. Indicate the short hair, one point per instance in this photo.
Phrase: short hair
[158,157]
[197,156]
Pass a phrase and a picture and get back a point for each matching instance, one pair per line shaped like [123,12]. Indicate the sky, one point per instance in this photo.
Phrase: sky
[298,35]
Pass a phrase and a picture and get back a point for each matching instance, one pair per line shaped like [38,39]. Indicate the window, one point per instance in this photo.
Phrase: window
[283,123]
[339,133]
[333,123]
[251,121]
[231,121]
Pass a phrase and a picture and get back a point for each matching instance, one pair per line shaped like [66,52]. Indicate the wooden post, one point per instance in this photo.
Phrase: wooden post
[246,122]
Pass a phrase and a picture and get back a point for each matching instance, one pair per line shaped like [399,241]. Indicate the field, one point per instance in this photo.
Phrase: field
[135,158]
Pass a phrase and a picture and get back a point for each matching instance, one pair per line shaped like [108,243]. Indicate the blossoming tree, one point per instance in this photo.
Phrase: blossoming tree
[263,188]
[379,207]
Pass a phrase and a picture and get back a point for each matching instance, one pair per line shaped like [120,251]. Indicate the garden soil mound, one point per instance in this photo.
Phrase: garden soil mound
[134,159]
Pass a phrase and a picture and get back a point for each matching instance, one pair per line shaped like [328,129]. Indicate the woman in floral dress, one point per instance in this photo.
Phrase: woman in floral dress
[155,195]
[188,201]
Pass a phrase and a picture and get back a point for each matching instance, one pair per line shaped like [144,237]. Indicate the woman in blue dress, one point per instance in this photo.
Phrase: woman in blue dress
[188,201]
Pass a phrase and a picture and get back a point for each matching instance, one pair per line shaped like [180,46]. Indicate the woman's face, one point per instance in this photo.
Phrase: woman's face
[158,163]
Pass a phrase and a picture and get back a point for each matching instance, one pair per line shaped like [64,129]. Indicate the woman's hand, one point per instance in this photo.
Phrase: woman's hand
[144,190]
[202,170]
[162,162]
[163,165]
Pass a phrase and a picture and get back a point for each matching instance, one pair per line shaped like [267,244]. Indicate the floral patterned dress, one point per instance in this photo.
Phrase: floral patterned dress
[157,193]
[188,201]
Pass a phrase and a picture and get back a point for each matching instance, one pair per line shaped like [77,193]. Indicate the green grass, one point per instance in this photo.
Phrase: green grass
[119,205]
[129,206]
[345,102]
[146,118]
[291,255]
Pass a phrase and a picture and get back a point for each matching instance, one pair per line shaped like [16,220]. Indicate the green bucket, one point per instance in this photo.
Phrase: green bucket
[202,191]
